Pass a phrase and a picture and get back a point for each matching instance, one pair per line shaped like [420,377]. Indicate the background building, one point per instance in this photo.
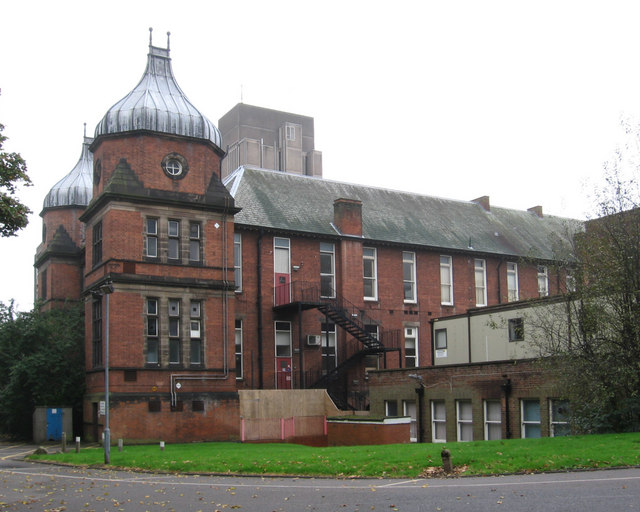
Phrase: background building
[269,139]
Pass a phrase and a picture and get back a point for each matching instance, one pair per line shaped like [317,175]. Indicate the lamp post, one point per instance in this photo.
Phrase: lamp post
[106,289]
[420,393]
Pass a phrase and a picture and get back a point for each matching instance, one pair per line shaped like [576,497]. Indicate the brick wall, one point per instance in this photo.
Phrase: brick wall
[215,419]
[527,380]
[390,309]
[144,153]
[353,433]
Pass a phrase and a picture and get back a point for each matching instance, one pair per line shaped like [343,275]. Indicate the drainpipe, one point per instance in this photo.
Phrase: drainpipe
[469,334]
[499,287]
[260,334]
[419,412]
[433,343]
[301,347]
[420,392]
[506,389]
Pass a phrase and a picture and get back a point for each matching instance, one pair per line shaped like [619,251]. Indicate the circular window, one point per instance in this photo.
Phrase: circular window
[175,166]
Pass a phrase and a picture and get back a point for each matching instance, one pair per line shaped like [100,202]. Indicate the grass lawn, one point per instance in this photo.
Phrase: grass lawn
[391,461]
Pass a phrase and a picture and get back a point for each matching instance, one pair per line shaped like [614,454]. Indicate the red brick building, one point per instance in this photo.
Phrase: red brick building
[272,280]
[338,279]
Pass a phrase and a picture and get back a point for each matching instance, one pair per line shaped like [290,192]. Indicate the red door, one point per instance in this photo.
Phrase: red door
[282,289]
[283,369]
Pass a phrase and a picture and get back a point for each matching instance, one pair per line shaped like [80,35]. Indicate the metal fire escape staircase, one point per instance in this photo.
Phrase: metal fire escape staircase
[348,317]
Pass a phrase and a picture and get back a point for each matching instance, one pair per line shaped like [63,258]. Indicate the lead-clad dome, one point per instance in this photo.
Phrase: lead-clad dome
[76,188]
[158,104]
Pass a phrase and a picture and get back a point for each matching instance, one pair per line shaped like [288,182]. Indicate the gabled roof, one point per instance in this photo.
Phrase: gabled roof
[289,202]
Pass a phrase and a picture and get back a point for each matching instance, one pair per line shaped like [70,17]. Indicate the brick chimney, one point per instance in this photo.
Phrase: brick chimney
[537,210]
[484,202]
[347,216]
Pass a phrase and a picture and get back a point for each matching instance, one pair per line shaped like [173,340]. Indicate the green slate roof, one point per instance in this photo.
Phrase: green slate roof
[288,202]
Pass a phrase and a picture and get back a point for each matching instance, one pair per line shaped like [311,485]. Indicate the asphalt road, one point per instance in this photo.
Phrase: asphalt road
[43,487]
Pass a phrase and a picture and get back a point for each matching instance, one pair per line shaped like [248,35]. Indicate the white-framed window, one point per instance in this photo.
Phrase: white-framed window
[543,281]
[281,256]
[370,276]
[559,417]
[492,420]
[328,343]
[151,249]
[438,421]
[390,408]
[409,276]
[153,332]
[440,342]
[530,418]
[512,282]
[174,331]
[327,270]
[464,416]
[283,339]
[238,350]
[446,280]
[237,261]
[195,332]
[480,271]
[173,233]
[195,245]
[409,409]
[410,347]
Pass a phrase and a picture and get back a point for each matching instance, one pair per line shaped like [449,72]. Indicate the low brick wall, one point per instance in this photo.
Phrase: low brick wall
[367,431]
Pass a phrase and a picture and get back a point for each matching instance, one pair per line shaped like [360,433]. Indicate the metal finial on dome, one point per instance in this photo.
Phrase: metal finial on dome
[157,104]
[85,129]
[168,39]
[150,36]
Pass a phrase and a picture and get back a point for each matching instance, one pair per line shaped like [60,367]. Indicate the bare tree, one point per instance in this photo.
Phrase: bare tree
[594,342]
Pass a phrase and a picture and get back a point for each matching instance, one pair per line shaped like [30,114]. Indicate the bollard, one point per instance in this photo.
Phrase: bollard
[446,461]
[120,443]
[64,442]
[78,444]
[161,445]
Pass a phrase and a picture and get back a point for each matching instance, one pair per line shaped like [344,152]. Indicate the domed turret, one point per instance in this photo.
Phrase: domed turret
[158,104]
[76,188]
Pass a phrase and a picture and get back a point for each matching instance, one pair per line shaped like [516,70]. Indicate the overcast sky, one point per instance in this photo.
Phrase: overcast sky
[521,101]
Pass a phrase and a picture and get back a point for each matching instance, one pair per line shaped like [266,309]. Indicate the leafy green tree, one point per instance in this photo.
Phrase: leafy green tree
[13,171]
[41,363]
